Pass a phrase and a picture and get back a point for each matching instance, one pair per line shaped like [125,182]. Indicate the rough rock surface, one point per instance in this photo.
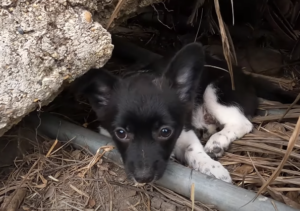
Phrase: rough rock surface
[46,43]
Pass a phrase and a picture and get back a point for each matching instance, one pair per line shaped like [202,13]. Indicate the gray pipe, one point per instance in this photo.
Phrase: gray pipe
[208,190]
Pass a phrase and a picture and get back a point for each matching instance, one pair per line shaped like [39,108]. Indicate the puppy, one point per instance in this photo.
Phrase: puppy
[151,116]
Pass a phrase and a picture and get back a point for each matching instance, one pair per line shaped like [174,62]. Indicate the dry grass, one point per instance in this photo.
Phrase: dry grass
[267,160]
[115,13]
[225,43]
[56,176]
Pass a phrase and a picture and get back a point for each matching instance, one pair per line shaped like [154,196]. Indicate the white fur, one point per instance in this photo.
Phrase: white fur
[236,125]
[189,149]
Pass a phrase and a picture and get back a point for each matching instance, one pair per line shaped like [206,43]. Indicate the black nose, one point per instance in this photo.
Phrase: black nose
[144,177]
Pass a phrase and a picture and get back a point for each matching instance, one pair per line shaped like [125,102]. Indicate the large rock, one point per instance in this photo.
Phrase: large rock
[46,43]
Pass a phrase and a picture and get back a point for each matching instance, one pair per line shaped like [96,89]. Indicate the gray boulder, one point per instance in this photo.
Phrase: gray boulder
[46,43]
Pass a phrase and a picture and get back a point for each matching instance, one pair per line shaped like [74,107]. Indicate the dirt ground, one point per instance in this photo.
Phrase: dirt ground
[54,176]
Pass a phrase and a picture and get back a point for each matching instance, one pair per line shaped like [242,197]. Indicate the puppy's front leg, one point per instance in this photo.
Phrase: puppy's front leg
[190,150]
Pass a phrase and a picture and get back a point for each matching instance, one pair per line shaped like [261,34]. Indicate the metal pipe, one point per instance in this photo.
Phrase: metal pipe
[208,190]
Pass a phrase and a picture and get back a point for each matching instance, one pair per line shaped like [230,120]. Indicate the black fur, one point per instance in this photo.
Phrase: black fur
[142,105]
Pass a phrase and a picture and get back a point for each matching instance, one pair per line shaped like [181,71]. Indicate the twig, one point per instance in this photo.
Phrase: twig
[52,147]
[25,178]
[110,195]
[259,119]
[230,42]
[232,9]
[157,13]
[199,26]
[175,197]
[96,158]
[163,3]
[76,208]
[197,5]
[274,79]
[16,199]
[290,107]
[274,205]
[79,191]
[225,44]
[216,67]
[193,196]
[62,145]
[115,12]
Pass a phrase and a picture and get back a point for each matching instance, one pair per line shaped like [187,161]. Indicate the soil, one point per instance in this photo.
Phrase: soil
[55,176]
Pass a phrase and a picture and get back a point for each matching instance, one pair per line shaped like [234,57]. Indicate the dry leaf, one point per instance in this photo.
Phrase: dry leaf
[49,192]
[275,127]
[103,168]
[76,154]
[112,173]
[26,208]
[293,195]
[291,203]
[41,186]
[42,178]
[79,191]
[244,169]
[57,174]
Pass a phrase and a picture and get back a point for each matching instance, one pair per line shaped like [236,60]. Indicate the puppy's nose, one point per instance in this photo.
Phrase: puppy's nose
[144,176]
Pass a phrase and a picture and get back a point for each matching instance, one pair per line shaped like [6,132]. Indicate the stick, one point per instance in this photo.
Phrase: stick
[16,200]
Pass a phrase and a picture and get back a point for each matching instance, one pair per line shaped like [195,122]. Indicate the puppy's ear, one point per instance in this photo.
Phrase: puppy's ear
[97,85]
[185,69]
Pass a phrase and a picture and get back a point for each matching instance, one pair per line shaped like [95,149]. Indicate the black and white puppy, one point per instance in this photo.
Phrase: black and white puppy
[152,116]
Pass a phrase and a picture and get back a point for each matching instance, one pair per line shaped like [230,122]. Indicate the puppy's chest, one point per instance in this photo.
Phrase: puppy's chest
[201,117]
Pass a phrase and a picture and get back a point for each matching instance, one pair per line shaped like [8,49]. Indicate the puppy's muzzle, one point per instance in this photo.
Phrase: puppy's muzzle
[144,176]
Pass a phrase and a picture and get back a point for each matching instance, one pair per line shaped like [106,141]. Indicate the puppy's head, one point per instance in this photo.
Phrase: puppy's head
[146,114]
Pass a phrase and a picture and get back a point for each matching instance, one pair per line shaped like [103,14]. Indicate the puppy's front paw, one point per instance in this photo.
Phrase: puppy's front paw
[203,163]
[216,145]
[214,168]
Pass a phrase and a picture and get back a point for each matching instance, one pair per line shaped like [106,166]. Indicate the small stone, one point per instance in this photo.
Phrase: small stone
[156,202]
[131,193]
[168,207]
[25,208]
[121,178]
[87,16]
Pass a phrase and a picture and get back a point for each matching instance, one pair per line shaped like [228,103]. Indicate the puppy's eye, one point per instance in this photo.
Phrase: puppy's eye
[165,132]
[121,133]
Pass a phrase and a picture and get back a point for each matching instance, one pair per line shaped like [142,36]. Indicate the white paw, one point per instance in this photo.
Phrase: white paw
[217,145]
[202,162]
[219,142]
